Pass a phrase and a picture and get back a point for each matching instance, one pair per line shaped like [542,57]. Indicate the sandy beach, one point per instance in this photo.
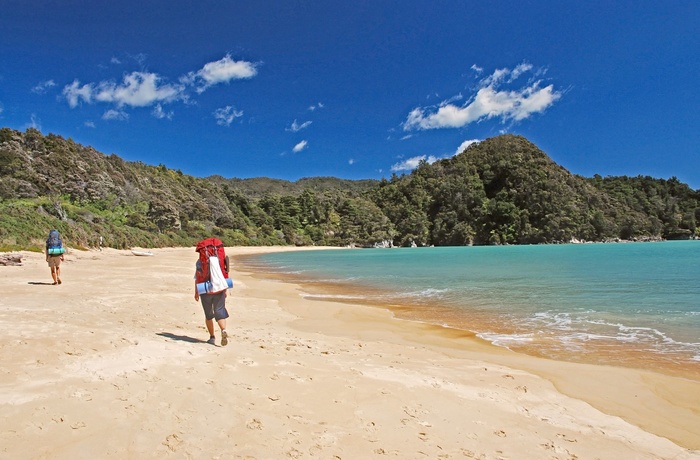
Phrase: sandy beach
[113,364]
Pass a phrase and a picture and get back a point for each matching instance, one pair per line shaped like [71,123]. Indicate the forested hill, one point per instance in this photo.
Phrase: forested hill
[507,191]
[503,190]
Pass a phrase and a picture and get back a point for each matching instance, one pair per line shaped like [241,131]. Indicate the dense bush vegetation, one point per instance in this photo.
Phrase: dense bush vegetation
[503,190]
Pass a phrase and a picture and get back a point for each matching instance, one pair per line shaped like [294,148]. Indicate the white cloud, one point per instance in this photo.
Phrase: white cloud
[466,144]
[412,163]
[89,124]
[295,127]
[115,61]
[138,89]
[142,89]
[74,92]
[225,115]
[42,87]
[112,114]
[222,71]
[351,161]
[490,101]
[300,146]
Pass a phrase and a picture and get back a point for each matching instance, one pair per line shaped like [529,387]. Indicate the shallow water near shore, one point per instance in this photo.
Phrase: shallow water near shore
[631,304]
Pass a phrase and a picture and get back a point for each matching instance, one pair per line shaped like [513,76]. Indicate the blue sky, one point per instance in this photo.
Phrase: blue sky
[360,89]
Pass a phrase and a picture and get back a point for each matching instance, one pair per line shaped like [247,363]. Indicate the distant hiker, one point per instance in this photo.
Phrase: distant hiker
[210,284]
[54,255]
[100,243]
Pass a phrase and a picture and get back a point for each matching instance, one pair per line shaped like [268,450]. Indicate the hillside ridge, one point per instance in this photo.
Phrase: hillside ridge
[503,190]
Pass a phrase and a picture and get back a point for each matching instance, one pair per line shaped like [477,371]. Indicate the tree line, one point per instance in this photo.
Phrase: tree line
[503,190]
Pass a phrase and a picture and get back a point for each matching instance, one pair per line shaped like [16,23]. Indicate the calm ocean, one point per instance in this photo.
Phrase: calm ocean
[625,303]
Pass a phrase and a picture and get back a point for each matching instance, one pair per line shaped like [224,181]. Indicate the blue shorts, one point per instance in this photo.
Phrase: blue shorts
[214,305]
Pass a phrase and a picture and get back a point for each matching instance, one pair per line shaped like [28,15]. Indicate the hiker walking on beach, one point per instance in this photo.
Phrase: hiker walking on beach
[210,284]
[54,255]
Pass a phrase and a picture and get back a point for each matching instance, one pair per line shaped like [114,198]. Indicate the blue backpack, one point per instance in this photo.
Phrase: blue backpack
[54,244]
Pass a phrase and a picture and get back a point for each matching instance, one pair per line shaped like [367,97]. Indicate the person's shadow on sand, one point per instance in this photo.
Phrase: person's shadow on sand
[40,283]
[180,338]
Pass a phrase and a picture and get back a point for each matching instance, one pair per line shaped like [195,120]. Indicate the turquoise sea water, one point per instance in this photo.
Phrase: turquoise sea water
[586,300]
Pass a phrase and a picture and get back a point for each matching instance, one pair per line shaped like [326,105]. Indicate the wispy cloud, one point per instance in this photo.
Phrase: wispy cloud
[316,106]
[300,146]
[225,115]
[159,113]
[144,89]
[34,122]
[44,86]
[493,99]
[112,114]
[295,127]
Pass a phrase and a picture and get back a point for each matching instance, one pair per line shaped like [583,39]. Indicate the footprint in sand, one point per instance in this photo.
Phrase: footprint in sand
[172,442]
[78,425]
[471,454]
[254,424]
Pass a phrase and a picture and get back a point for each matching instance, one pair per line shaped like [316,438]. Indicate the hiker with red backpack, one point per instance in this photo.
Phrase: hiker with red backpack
[210,284]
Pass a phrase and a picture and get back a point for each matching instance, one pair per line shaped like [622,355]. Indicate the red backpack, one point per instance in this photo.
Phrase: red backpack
[207,248]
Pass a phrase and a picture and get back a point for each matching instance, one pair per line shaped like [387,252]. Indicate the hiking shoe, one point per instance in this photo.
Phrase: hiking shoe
[212,340]
[224,338]
[59,280]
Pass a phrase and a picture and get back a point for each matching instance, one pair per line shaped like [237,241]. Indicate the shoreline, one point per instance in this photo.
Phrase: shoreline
[113,363]
[615,354]
[586,384]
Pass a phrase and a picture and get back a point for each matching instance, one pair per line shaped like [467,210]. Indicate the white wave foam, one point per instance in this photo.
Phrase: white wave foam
[505,340]
[428,293]
[331,297]
[574,330]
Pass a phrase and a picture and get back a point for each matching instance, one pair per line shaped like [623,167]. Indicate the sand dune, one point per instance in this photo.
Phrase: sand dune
[113,364]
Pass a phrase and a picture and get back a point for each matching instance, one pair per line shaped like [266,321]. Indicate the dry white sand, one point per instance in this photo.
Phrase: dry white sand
[113,364]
